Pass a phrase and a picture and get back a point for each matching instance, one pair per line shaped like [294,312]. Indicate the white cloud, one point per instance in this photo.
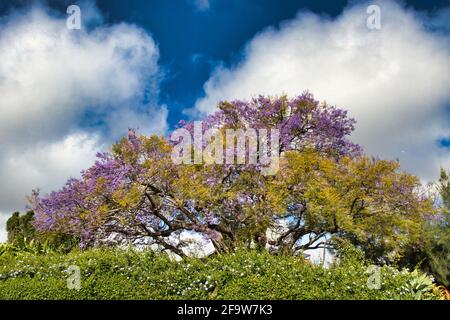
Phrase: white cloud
[394,81]
[152,121]
[202,5]
[51,76]
[53,80]
[44,166]
[3,234]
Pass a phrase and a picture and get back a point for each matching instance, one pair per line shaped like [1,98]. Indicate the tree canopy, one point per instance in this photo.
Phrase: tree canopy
[20,228]
[325,185]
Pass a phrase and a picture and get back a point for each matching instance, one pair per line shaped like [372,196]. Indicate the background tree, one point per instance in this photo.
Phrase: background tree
[20,228]
[440,265]
[432,252]
[444,190]
[437,248]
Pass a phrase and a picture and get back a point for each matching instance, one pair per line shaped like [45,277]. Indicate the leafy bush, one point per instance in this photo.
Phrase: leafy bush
[129,274]
[420,285]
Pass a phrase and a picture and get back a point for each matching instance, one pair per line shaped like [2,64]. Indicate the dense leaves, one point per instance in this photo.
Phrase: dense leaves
[128,274]
[20,228]
[325,186]
[362,199]
[432,252]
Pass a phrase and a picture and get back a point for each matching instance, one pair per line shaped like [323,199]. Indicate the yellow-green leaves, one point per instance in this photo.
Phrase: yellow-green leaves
[363,197]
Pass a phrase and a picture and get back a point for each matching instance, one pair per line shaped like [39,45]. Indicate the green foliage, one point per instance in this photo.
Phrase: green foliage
[366,201]
[128,274]
[26,248]
[437,254]
[432,255]
[444,188]
[23,236]
[438,242]
[19,228]
[420,285]
[57,241]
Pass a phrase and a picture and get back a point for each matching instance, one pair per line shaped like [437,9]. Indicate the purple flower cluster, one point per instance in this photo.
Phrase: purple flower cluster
[302,121]
[70,209]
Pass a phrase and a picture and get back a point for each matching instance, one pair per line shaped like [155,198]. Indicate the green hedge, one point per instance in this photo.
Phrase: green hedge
[127,274]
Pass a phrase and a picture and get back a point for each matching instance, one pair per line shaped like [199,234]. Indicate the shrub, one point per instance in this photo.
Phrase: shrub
[129,274]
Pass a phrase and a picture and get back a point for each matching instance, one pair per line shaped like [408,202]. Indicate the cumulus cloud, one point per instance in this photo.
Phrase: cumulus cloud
[3,234]
[66,94]
[44,166]
[51,76]
[156,117]
[395,81]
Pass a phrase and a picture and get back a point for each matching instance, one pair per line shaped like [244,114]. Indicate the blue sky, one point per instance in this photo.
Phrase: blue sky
[193,42]
[67,94]
[194,39]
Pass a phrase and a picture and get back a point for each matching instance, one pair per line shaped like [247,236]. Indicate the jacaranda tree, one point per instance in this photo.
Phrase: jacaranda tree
[432,252]
[324,186]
